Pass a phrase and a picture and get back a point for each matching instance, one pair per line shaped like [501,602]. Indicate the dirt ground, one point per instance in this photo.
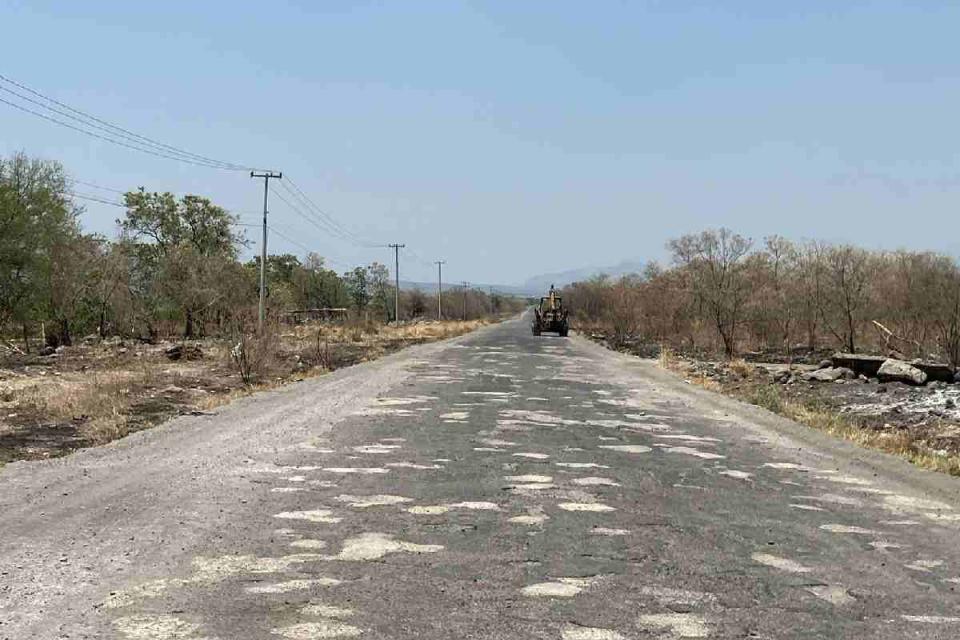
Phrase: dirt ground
[92,393]
[921,423]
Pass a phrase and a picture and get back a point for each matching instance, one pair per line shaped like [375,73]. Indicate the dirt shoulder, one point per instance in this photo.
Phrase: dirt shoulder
[92,393]
[918,423]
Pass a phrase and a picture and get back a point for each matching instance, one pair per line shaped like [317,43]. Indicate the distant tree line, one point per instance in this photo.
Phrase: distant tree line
[174,269]
[723,293]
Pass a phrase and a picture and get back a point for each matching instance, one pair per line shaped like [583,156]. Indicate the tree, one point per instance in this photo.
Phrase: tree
[36,218]
[182,246]
[714,260]
[846,274]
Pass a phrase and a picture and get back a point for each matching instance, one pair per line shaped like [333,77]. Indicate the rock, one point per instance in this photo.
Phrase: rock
[829,374]
[899,371]
[861,364]
[950,403]
[184,352]
[781,376]
[935,370]
[47,351]
[91,339]
[825,364]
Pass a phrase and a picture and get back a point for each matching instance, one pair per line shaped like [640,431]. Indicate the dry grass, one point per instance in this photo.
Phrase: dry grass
[104,395]
[100,401]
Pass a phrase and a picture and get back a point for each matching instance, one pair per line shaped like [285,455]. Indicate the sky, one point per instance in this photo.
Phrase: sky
[514,138]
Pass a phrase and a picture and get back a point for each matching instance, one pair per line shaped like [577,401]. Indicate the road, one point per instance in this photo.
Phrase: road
[493,486]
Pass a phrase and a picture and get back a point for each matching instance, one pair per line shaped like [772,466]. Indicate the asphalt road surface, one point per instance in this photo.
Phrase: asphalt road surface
[493,486]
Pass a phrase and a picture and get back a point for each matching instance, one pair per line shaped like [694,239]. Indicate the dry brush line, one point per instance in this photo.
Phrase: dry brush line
[823,418]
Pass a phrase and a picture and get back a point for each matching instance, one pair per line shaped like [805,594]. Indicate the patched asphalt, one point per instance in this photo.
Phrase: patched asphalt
[496,486]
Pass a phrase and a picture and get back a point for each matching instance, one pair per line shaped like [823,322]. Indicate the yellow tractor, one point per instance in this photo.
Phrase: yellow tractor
[550,315]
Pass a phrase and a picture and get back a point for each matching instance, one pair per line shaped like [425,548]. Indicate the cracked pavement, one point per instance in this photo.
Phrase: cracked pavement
[493,486]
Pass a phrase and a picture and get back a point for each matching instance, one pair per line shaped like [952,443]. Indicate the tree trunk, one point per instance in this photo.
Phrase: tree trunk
[64,336]
[188,329]
[26,339]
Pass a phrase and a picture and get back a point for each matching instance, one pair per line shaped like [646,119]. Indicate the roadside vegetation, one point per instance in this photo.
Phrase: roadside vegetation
[775,324]
[103,336]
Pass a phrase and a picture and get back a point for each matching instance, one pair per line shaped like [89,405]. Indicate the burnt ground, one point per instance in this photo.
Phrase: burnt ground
[49,405]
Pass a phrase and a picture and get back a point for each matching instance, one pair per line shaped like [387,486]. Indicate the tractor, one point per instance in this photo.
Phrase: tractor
[550,315]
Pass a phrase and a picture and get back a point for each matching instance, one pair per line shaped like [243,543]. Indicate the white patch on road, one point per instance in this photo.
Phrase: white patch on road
[842,528]
[287,490]
[594,481]
[156,627]
[319,610]
[293,585]
[924,565]
[494,442]
[316,515]
[627,448]
[669,596]
[528,478]
[680,625]
[882,545]
[786,465]
[395,402]
[932,619]
[604,531]
[807,507]
[532,456]
[309,543]
[910,503]
[777,562]
[832,498]
[377,448]
[690,451]
[475,506]
[835,595]
[581,465]
[575,632]
[596,507]
[685,437]
[455,415]
[739,475]
[373,546]
[362,502]
[860,482]
[561,588]
[529,520]
[357,470]
[413,465]
[318,630]
[431,510]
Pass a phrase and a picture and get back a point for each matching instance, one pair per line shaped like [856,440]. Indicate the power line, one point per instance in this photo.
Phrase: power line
[344,231]
[84,196]
[97,186]
[134,140]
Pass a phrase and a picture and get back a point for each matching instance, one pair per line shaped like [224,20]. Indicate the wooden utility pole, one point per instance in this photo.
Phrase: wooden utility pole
[440,264]
[465,285]
[396,294]
[266,175]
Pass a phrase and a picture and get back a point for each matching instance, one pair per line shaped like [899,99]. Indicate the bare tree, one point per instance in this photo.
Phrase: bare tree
[714,259]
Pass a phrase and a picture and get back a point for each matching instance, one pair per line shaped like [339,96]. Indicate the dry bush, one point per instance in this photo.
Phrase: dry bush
[741,367]
[255,354]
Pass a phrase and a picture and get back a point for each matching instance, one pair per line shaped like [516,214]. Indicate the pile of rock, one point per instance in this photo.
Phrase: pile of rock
[849,366]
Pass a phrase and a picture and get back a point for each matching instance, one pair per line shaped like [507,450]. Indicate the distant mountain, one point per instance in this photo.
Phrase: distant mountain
[562,278]
[503,289]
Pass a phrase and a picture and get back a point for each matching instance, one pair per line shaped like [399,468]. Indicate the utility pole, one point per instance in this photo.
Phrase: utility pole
[396,294]
[266,175]
[440,264]
[465,284]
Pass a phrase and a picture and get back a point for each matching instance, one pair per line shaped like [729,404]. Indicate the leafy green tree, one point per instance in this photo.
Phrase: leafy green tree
[181,246]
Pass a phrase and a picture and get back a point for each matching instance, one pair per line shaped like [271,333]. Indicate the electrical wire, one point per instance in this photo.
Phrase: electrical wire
[133,140]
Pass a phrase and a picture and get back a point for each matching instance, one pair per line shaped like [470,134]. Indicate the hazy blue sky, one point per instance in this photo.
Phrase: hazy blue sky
[513,138]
